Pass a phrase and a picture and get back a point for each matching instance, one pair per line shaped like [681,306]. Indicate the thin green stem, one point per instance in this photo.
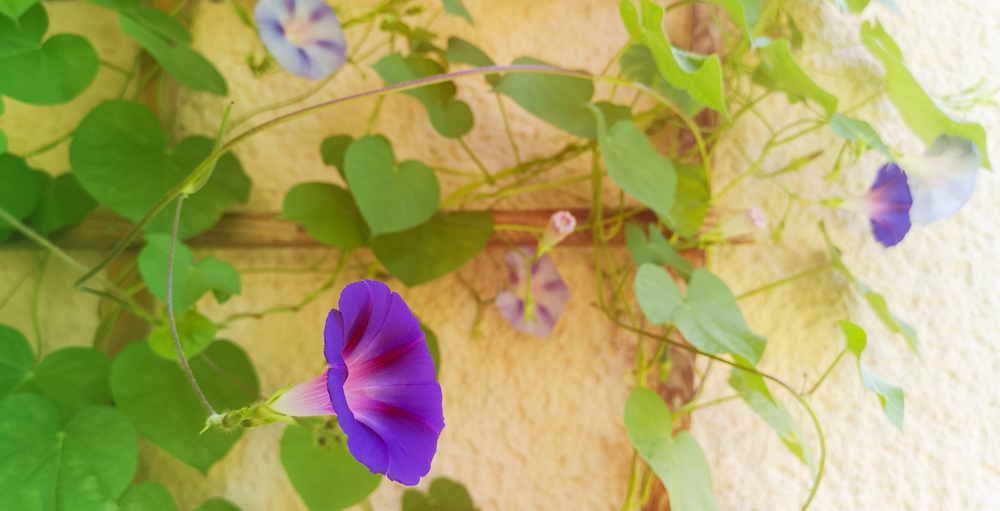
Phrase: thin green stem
[170,310]
[690,407]
[374,116]
[115,67]
[785,280]
[342,261]
[39,343]
[506,125]
[48,146]
[13,290]
[282,104]
[482,168]
[826,373]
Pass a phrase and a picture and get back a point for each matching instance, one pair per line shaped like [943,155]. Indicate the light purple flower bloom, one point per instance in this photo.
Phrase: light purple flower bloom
[304,36]
[380,383]
[887,205]
[942,179]
[548,294]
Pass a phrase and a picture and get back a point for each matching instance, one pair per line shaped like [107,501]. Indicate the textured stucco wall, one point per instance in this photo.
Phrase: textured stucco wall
[535,423]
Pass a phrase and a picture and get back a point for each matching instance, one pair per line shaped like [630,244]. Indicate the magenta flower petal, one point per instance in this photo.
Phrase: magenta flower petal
[381,382]
[548,292]
[304,36]
[306,399]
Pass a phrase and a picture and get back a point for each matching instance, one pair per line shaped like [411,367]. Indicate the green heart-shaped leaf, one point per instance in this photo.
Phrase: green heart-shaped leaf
[120,156]
[44,465]
[329,214]
[457,8]
[167,43]
[558,100]
[333,149]
[191,280]
[443,495]
[708,317]
[155,395]
[20,189]
[217,504]
[324,473]
[16,360]
[655,249]
[436,248]
[450,117]
[195,332]
[637,64]
[889,396]
[64,203]
[43,73]
[392,197]
[13,9]
[147,496]
[690,201]
[461,51]
[782,70]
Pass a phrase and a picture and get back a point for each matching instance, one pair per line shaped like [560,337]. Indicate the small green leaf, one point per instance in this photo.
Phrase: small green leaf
[432,345]
[438,247]
[183,63]
[691,201]
[392,196]
[890,396]
[20,190]
[443,495]
[45,465]
[461,51]
[754,392]
[217,504]
[747,11]
[13,9]
[329,214]
[856,6]
[699,75]
[155,395]
[875,300]
[917,109]
[16,360]
[161,24]
[777,62]
[854,129]
[324,473]
[676,459]
[126,135]
[195,331]
[709,317]
[43,73]
[333,149]
[655,249]
[450,117]
[637,64]
[556,99]
[147,496]
[64,203]
[457,8]
[191,280]
[635,166]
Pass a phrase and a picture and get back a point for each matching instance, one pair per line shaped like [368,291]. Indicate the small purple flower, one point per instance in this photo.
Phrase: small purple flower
[560,226]
[304,36]
[380,383]
[942,179]
[548,294]
[887,205]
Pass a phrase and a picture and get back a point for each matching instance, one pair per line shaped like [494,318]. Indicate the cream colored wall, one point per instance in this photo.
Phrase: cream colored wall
[535,423]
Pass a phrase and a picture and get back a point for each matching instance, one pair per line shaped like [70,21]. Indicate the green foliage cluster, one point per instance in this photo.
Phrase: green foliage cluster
[69,421]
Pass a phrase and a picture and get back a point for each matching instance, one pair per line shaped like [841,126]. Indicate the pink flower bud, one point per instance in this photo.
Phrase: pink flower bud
[561,225]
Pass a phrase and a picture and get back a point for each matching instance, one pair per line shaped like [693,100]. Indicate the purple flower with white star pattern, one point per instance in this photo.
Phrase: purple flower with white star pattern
[548,294]
[304,36]
[379,382]
[887,205]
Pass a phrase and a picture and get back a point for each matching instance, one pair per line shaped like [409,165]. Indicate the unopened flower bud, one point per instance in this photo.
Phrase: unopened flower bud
[561,225]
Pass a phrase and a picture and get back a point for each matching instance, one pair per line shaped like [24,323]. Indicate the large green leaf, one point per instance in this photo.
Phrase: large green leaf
[194,331]
[889,396]
[39,72]
[13,9]
[191,280]
[3,142]
[709,317]
[333,149]
[450,117]
[691,201]
[754,392]
[147,496]
[779,65]
[324,473]
[461,51]
[917,109]
[443,495]
[854,129]
[440,246]
[329,213]
[676,459]
[556,99]
[654,249]
[217,504]
[392,196]
[457,8]
[637,64]
[745,11]
[71,378]
[64,203]
[875,300]
[16,360]
[699,75]
[20,190]
[85,464]
[120,156]
[635,166]
[155,396]
[168,42]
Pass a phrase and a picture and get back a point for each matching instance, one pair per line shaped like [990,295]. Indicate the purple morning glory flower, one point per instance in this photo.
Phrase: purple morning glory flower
[304,36]
[887,204]
[379,382]
[548,294]
[942,179]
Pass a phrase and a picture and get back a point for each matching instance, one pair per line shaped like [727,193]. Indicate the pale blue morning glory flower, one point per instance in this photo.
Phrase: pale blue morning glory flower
[304,36]
[942,179]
